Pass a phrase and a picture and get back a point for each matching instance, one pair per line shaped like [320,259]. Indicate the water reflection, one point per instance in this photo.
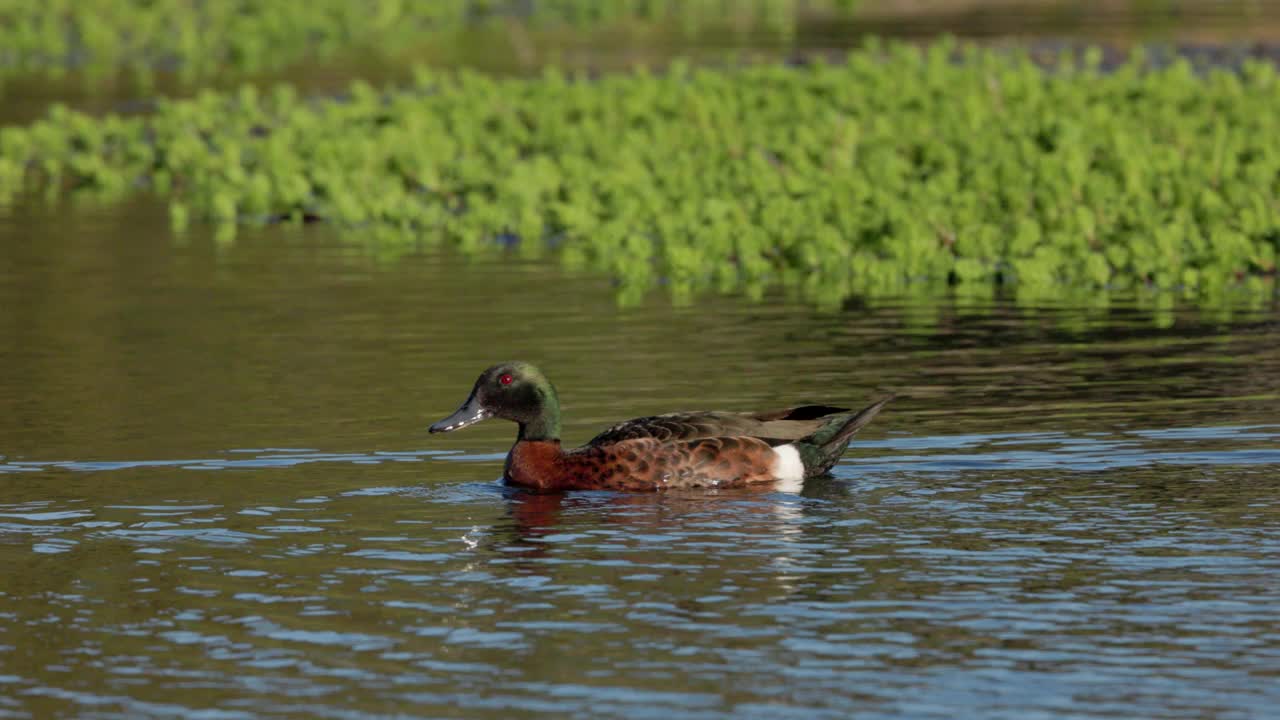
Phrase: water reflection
[220,499]
[405,592]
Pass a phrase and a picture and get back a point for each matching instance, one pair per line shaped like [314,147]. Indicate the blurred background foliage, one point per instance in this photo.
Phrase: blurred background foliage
[703,145]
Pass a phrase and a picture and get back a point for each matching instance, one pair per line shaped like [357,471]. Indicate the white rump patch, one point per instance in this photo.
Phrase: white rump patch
[787,468]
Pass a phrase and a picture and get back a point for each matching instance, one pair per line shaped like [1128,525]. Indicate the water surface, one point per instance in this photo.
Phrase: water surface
[219,499]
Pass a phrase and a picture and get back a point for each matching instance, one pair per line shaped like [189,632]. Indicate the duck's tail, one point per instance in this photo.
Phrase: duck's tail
[820,451]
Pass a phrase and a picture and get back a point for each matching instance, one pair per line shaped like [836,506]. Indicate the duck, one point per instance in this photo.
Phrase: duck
[679,450]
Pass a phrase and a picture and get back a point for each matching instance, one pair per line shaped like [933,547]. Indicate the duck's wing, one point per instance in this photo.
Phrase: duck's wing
[776,427]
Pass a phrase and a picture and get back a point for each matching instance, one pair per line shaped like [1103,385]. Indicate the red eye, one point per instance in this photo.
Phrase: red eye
[506,379]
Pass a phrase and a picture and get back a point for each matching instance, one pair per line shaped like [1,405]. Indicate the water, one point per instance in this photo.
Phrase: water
[220,501]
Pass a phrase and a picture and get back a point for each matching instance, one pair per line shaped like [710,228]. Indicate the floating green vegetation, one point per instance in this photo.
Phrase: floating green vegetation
[201,39]
[899,171]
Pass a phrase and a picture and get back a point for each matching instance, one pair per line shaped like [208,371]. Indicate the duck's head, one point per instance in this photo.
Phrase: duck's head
[515,391]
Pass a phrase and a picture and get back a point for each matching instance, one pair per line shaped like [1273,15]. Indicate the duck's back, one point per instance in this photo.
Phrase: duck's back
[775,428]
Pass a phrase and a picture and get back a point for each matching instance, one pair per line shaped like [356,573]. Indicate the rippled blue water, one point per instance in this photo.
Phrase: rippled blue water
[219,499]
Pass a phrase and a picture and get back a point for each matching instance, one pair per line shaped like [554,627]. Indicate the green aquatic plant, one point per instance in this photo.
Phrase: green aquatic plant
[896,170]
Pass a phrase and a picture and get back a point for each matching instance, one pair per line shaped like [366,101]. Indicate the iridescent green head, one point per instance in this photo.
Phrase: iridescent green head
[515,391]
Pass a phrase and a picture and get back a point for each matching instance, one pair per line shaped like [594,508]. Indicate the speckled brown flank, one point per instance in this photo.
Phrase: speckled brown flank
[643,464]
